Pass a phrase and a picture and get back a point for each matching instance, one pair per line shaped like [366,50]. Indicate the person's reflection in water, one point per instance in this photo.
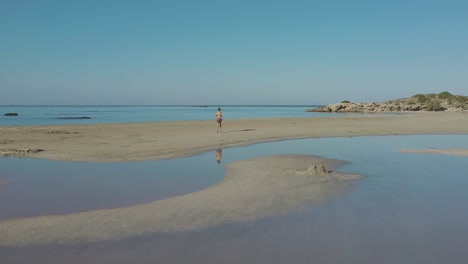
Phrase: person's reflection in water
[219,155]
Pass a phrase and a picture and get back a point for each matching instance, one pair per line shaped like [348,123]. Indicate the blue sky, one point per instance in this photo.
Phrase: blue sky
[230,52]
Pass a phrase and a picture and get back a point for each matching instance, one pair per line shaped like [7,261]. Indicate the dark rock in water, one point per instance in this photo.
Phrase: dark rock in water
[74,117]
[11,114]
[200,106]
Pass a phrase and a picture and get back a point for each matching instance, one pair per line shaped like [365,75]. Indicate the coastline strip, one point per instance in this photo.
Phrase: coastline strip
[165,140]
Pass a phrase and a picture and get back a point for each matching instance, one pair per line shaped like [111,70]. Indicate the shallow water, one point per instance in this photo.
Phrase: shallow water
[60,115]
[42,187]
[410,208]
[57,115]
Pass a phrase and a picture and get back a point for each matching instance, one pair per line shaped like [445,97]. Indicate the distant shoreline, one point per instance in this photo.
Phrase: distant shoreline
[175,105]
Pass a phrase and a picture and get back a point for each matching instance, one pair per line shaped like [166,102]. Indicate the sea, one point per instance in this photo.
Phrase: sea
[91,114]
[407,207]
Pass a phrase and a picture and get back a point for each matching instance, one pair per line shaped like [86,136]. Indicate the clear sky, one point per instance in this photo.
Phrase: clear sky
[230,52]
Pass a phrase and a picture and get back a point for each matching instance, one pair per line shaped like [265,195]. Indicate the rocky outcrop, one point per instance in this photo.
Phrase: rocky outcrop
[11,114]
[18,152]
[444,101]
[367,107]
[74,117]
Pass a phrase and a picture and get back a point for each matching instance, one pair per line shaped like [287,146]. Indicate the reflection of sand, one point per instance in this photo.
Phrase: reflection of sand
[150,141]
[455,152]
[251,189]
[3,183]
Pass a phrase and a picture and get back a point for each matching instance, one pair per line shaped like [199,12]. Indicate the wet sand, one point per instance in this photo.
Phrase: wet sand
[454,152]
[162,140]
[251,189]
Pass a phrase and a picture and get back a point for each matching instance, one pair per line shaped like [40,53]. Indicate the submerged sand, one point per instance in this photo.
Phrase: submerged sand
[454,152]
[3,183]
[251,189]
[161,140]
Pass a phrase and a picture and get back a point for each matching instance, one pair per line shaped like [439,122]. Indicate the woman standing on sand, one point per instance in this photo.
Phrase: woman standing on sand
[219,119]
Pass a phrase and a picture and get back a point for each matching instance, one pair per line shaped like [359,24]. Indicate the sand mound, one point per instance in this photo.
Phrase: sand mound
[454,152]
[251,189]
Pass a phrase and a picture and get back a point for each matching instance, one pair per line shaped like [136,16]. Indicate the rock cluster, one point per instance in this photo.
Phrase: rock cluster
[74,117]
[368,107]
[444,101]
[11,114]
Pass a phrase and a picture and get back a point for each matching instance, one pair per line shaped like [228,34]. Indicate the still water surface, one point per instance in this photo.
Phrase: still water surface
[410,208]
[60,115]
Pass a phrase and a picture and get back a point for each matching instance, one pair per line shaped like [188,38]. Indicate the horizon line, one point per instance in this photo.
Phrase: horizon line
[164,105]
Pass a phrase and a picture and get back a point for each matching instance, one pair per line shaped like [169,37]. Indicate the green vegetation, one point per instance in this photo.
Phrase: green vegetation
[445,95]
[460,99]
[420,98]
[345,102]
[434,102]
[434,106]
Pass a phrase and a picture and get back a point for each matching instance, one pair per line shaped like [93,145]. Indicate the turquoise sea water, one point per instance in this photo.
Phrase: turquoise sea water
[54,115]
[409,208]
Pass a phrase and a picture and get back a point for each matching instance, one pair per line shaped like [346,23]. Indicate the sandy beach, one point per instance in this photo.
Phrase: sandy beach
[163,140]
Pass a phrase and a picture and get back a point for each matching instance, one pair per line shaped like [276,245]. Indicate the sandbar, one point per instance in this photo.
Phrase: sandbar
[251,189]
[164,140]
[454,152]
